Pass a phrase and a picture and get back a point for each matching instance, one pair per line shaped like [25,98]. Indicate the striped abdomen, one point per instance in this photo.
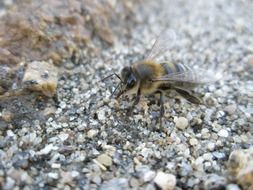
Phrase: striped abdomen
[173,68]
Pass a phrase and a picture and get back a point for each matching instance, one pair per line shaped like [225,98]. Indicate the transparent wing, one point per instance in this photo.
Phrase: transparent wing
[164,42]
[196,76]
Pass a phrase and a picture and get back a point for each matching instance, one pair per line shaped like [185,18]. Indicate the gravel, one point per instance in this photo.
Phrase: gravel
[91,143]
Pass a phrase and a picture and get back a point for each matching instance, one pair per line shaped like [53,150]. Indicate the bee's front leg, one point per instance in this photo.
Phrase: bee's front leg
[136,101]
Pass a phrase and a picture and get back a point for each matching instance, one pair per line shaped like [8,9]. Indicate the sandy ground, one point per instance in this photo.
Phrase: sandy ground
[90,142]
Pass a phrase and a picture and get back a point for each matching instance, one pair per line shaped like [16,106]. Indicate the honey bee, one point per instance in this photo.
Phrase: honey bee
[149,76]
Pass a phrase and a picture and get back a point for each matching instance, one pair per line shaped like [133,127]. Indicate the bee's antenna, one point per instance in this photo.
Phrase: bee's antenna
[111,76]
[117,76]
[115,89]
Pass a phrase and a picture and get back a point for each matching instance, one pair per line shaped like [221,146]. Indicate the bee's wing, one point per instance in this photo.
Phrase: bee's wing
[164,42]
[195,76]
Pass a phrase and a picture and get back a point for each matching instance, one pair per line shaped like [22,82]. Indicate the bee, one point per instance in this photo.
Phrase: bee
[149,76]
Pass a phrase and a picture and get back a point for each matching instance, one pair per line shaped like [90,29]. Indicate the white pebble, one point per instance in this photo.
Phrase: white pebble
[181,122]
[47,149]
[165,181]
[211,146]
[92,133]
[63,136]
[74,174]
[148,176]
[223,133]
[53,175]
[101,115]
[104,159]
[56,165]
[193,141]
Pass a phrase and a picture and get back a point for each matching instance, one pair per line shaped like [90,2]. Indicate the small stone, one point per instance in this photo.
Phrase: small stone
[92,133]
[220,114]
[240,167]
[134,182]
[223,133]
[214,181]
[53,175]
[198,163]
[165,181]
[41,76]
[96,179]
[104,159]
[211,146]
[63,136]
[9,183]
[55,165]
[47,149]
[181,122]
[101,115]
[74,174]
[233,187]
[148,176]
[219,155]
[230,109]
[193,141]
[6,115]
[205,133]
[115,184]
[145,152]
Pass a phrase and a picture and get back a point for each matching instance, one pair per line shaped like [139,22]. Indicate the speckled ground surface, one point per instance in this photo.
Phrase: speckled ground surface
[90,142]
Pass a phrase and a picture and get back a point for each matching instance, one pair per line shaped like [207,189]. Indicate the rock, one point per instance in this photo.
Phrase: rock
[219,155]
[41,76]
[205,133]
[92,133]
[105,160]
[63,136]
[115,184]
[230,109]
[220,114]
[148,176]
[233,187]
[68,177]
[214,182]
[101,115]
[198,164]
[223,133]
[47,149]
[96,179]
[9,183]
[181,122]
[134,182]
[211,146]
[146,152]
[6,115]
[20,176]
[193,141]
[55,166]
[165,181]
[53,175]
[240,167]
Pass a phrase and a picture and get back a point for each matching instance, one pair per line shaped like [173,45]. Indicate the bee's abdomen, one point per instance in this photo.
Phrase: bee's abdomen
[172,68]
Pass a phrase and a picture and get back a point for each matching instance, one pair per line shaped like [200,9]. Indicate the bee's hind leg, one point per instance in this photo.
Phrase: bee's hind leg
[162,110]
[136,101]
[188,96]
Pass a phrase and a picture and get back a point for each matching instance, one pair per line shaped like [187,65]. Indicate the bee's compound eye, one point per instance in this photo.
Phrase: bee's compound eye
[131,82]
[125,72]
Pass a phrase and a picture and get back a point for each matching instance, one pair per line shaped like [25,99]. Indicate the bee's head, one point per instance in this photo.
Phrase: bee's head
[129,81]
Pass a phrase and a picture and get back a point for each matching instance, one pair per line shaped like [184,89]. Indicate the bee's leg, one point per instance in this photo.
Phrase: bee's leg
[136,101]
[188,96]
[161,103]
